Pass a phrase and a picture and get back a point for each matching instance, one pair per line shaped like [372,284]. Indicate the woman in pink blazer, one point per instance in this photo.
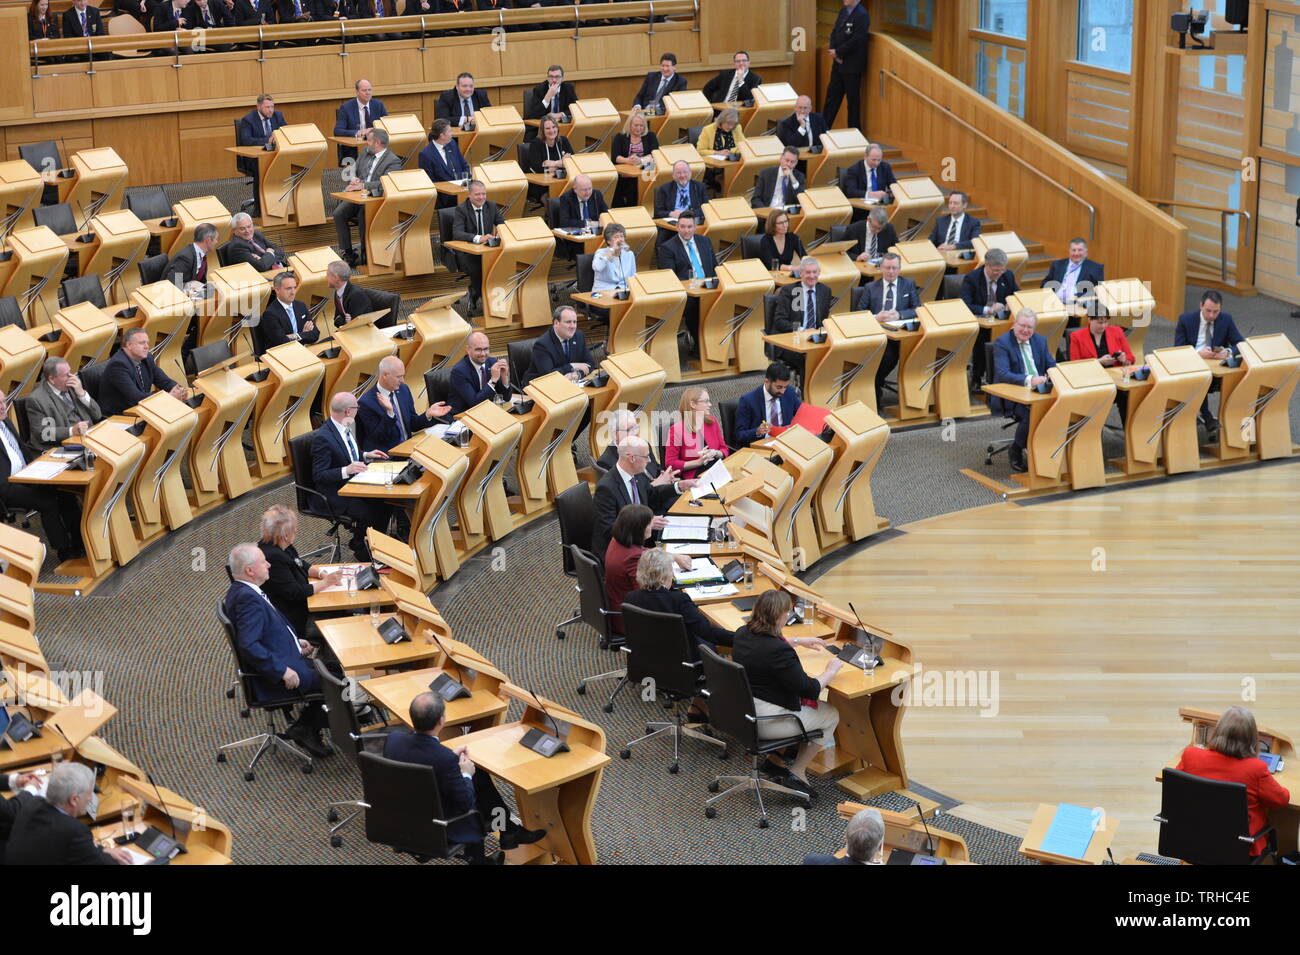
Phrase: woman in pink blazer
[695,441]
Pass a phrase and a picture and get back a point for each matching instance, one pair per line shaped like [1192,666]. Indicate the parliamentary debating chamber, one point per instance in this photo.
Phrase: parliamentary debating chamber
[675,432]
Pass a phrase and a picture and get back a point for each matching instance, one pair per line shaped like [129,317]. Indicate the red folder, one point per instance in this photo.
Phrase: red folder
[811,417]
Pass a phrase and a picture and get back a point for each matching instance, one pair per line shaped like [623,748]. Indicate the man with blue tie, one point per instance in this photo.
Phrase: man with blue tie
[294,11]
[286,319]
[891,298]
[660,83]
[985,293]
[1076,277]
[1213,333]
[779,186]
[386,414]
[680,194]
[562,349]
[357,115]
[801,306]
[442,161]
[869,179]
[335,458]
[458,105]
[81,19]
[690,257]
[1020,357]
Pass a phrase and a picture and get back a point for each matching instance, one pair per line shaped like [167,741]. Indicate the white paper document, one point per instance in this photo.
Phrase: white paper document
[702,568]
[377,472]
[691,549]
[686,529]
[42,470]
[715,477]
[707,593]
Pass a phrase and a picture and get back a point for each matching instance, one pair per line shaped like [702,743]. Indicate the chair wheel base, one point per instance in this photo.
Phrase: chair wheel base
[723,754]
[714,787]
[625,754]
[710,813]
[582,689]
[221,757]
[248,777]
[559,634]
[763,823]
[607,708]
[674,769]
[307,769]
[230,694]
[336,842]
[244,714]
[332,816]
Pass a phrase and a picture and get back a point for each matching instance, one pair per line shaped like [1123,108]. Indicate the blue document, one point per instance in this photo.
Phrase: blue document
[1070,832]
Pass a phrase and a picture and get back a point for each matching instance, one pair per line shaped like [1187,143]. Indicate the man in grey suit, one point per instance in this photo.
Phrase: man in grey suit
[248,244]
[59,407]
[377,161]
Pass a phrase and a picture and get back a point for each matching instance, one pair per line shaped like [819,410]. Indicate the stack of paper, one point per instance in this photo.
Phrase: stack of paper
[712,479]
[686,529]
[43,470]
[702,569]
[377,472]
[710,593]
[692,549]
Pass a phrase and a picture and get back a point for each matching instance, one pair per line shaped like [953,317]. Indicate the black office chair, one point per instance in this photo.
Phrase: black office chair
[531,105]
[346,738]
[451,260]
[519,358]
[950,287]
[1206,822]
[91,376]
[769,323]
[383,299]
[731,710]
[552,213]
[148,202]
[204,357]
[693,134]
[404,808]
[751,246]
[10,313]
[858,298]
[577,514]
[437,384]
[1003,446]
[660,650]
[58,217]
[256,699]
[87,288]
[153,269]
[312,502]
[24,423]
[223,254]
[727,418]
[44,157]
[595,613]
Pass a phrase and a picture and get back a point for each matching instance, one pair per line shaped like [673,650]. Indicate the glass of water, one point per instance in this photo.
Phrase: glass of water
[374,613]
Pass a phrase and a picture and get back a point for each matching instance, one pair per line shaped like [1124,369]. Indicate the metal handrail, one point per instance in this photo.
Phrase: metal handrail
[1092,212]
[1223,212]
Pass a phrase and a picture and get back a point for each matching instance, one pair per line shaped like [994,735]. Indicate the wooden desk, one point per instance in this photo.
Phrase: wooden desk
[484,708]
[906,832]
[361,650]
[1030,846]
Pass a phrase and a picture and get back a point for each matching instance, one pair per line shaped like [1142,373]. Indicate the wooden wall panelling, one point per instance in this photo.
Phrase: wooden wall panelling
[203,137]
[730,25]
[71,137]
[65,91]
[1277,252]
[679,38]
[228,74]
[803,72]
[531,54]
[1155,76]
[15,71]
[146,143]
[452,55]
[133,83]
[613,49]
[1097,116]
[304,69]
[403,62]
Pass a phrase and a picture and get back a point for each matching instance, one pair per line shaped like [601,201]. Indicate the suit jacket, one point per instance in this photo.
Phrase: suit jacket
[29,453]
[356,302]
[970,227]
[886,239]
[536,153]
[276,329]
[37,833]
[329,456]
[857,179]
[242,250]
[819,858]
[1091,274]
[221,17]
[788,130]
[287,13]
[251,131]
[1082,346]
[716,88]
[646,95]
[464,222]
[448,106]
[165,20]
[871,297]
[766,182]
[184,266]
[47,29]
[609,457]
[789,313]
[454,168]
[370,167]
[454,790]
[333,9]
[676,601]
[849,39]
[565,98]
[673,255]
[120,388]
[347,118]
[794,250]
[377,431]
[1222,333]
[51,417]
[975,289]
[1009,367]
[611,497]
[1263,792]
[666,199]
[620,143]
[267,645]
[548,354]
[254,12]
[570,217]
[72,23]
[774,671]
[466,392]
[751,409]
[289,585]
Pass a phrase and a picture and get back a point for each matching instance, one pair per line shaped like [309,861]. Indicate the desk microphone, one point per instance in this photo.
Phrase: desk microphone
[443,684]
[871,637]
[171,820]
[929,839]
[544,744]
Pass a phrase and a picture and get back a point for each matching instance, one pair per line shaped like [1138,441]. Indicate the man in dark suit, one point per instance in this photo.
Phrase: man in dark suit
[680,194]
[60,512]
[442,161]
[350,300]
[286,319]
[779,186]
[190,263]
[552,97]
[985,293]
[864,839]
[772,404]
[473,221]
[255,129]
[873,236]
[563,348]
[357,115]
[869,179]
[248,244]
[1020,357]
[848,49]
[131,375]
[294,11]
[458,105]
[803,128]
[580,205]
[210,15]
[659,83]
[59,408]
[478,376]
[269,647]
[891,298]
[734,85]
[335,458]
[627,483]
[956,229]
[462,786]
[81,19]
[331,10]
[1076,277]
[47,830]
[801,306]
[1213,333]
[378,161]
[624,424]
[689,256]
[386,414]
[170,15]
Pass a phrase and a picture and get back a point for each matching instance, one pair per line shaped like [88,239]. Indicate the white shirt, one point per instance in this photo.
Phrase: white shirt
[16,462]
[627,480]
[344,433]
[364,106]
[768,399]
[956,236]
[375,163]
[785,190]
[1205,334]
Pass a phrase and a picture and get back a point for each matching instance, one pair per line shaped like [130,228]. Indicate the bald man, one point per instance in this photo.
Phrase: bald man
[803,128]
[386,414]
[478,376]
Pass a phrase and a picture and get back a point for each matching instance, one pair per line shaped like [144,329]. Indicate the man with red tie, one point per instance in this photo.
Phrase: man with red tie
[190,264]
[478,376]
[350,300]
[248,244]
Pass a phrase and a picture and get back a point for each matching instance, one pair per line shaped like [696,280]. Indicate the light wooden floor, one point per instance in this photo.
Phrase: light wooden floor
[1198,603]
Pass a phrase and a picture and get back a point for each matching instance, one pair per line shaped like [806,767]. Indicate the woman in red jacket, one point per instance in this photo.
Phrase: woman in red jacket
[1104,341]
[695,442]
[1231,755]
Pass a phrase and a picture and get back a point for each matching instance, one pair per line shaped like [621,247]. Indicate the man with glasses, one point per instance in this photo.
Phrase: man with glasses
[627,483]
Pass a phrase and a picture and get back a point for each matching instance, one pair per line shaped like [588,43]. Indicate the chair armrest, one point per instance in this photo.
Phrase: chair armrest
[447,822]
[803,730]
[315,493]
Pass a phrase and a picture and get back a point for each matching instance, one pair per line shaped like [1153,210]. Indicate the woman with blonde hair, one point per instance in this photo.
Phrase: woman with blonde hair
[723,135]
[630,148]
[695,440]
[291,580]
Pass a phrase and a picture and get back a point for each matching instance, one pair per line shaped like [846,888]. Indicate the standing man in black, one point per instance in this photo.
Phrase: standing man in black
[848,48]
[60,512]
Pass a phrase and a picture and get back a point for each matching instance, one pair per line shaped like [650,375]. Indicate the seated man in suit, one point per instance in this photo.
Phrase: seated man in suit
[627,483]
[475,220]
[248,244]
[295,11]
[690,257]
[255,129]
[268,646]
[735,85]
[478,377]
[956,229]
[1213,333]
[772,404]
[462,786]
[1076,277]
[333,10]
[625,424]
[350,300]
[563,348]
[874,236]
[81,20]
[386,414]
[659,83]
[552,97]
[442,161]
[170,15]
[869,179]
[377,161]
[60,512]
[357,116]
[209,15]
[1020,357]
[47,830]
[459,105]
[188,268]
[864,840]
[580,205]
[779,186]
[335,458]
[678,195]
[59,408]
[985,293]
[891,298]
[286,319]
[132,374]
[801,306]
[803,128]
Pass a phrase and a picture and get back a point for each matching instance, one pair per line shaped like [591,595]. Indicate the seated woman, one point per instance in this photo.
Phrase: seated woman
[635,143]
[780,685]
[724,135]
[628,540]
[779,244]
[614,264]
[695,442]
[291,581]
[546,154]
[1103,341]
[1231,754]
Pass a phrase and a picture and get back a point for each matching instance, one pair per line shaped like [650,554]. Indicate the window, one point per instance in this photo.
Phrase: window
[1008,17]
[918,14]
[1000,75]
[1106,34]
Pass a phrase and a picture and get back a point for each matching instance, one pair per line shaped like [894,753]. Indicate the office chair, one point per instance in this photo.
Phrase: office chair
[451,259]
[223,254]
[751,246]
[312,502]
[380,299]
[950,287]
[727,418]
[1206,822]
[659,649]
[10,313]
[519,360]
[531,105]
[58,218]
[552,212]
[87,288]
[769,320]
[153,269]
[44,157]
[91,376]
[203,357]
[731,709]
[595,613]
[404,808]
[255,700]
[437,384]
[1003,446]
[346,738]
[148,202]
[577,514]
